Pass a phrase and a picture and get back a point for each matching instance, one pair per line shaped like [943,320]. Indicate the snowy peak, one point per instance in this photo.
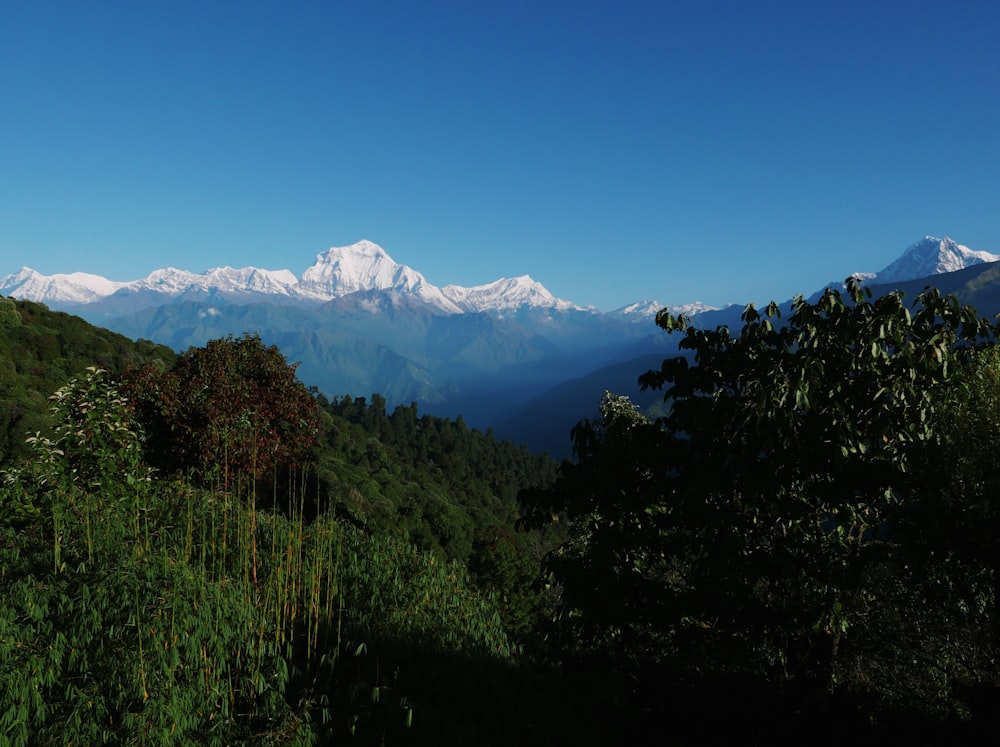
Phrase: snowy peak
[169,281]
[69,288]
[252,279]
[690,309]
[365,266]
[505,294]
[362,266]
[932,256]
[641,312]
[246,280]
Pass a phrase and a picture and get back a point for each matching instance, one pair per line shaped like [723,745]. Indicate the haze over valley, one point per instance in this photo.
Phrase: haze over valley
[506,354]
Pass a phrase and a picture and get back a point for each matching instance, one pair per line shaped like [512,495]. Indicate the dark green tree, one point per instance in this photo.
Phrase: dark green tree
[750,531]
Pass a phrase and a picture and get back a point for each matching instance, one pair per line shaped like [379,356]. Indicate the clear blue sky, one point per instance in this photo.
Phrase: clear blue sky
[722,151]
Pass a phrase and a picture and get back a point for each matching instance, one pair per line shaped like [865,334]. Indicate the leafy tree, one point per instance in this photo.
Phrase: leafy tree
[751,531]
[130,617]
[9,316]
[234,405]
[40,351]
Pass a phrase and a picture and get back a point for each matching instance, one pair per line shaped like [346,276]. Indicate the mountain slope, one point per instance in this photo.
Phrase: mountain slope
[40,351]
[364,266]
[335,273]
[505,294]
[931,256]
[360,323]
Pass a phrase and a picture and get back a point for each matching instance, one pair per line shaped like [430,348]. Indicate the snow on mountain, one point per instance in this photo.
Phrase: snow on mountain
[931,256]
[337,272]
[642,312]
[505,294]
[252,279]
[342,270]
[171,281]
[690,309]
[71,288]
[365,266]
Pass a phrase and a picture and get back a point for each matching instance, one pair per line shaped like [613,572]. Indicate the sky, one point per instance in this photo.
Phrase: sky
[722,151]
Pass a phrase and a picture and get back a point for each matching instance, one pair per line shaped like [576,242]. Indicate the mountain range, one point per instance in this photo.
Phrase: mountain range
[507,354]
[337,272]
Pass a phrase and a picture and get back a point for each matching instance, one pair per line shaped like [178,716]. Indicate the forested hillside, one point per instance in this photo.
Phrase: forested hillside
[40,351]
[198,549]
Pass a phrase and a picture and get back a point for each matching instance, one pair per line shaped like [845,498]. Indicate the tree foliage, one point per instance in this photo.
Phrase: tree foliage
[132,617]
[234,406]
[41,350]
[755,529]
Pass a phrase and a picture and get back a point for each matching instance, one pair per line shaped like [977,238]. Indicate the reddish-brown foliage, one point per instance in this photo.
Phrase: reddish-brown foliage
[234,404]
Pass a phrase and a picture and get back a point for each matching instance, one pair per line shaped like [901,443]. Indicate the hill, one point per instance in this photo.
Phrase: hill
[40,351]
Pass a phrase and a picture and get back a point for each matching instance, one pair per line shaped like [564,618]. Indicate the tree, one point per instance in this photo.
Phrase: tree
[234,405]
[747,532]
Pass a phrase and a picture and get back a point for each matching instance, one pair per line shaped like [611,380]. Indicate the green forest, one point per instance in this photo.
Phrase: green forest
[801,542]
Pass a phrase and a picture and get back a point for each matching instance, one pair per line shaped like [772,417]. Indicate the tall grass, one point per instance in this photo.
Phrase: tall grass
[146,611]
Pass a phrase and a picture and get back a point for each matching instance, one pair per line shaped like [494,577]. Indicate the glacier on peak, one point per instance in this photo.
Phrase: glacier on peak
[505,294]
[73,287]
[925,258]
[931,256]
[339,271]
[646,309]
[363,266]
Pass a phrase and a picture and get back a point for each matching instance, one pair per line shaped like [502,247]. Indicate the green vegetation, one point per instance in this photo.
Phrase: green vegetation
[41,350]
[196,549]
[239,592]
[805,537]
[153,611]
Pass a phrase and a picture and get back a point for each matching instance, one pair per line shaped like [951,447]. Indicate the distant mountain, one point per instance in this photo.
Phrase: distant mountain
[545,421]
[365,266]
[553,413]
[336,273]
[931,256]
[977,285]
[506,294]
[360,323]
[642,311]
[57,290]
[507,352]
[928,257]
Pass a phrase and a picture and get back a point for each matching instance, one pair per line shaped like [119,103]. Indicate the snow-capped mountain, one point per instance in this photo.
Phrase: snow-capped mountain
[506,294]
[927,257]
[358,322]
[642,311]
[79,288]
[336,273]
[365,266]
[931,256]
[246,280]
[71,288]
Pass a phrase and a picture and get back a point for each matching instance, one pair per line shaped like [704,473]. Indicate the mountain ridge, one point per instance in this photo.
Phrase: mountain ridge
[365,266]
[359,323]
[336,272]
